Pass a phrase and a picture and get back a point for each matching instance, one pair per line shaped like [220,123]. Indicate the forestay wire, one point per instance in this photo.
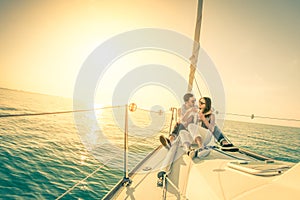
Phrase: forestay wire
[81,181]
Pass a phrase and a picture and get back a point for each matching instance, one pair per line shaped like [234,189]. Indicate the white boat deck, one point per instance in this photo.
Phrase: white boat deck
[211,177]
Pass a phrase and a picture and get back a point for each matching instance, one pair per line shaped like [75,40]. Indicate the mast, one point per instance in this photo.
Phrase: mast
[196,46]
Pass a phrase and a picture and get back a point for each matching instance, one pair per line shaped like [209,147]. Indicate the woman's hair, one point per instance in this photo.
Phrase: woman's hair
[207,104]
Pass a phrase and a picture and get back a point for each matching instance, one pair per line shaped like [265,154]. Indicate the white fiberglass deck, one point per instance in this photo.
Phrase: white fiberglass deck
[211,177]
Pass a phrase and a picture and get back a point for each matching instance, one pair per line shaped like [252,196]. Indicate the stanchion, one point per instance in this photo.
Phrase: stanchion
[126,180]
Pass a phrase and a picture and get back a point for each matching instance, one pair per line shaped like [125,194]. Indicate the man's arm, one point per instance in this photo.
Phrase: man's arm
[187,117]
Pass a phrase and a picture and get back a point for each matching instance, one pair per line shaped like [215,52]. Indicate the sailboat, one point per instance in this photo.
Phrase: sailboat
[237,174]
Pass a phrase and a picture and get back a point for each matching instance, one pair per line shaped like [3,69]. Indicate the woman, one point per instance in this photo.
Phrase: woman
[207,124]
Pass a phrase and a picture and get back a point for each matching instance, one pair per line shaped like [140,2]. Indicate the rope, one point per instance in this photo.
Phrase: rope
[159,112]
[285,119]
[198,87]
[70,111]
[252,116]
[262,117]
[53,113]
[79,182]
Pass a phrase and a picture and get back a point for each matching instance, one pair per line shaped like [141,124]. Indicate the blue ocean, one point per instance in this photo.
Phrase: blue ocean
[44,156]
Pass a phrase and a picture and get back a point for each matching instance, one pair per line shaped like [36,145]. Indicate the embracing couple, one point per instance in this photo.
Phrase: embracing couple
[196,124]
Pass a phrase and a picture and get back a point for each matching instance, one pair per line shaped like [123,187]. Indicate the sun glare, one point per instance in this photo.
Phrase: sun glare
[98,109]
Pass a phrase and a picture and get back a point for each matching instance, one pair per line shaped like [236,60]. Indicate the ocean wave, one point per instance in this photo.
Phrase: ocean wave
[43,156]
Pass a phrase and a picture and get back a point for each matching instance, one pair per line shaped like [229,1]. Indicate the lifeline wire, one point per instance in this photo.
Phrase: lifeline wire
[79,182]
[263,117]
[53,113]
[159,112]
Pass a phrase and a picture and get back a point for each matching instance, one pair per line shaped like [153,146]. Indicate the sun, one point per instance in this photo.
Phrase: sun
[98,109]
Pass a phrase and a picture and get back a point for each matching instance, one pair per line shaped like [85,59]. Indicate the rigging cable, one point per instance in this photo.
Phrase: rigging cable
[159,112]
[198,87]
[81,181]
[53,113]
[70,111]
[262,117]
[252,116]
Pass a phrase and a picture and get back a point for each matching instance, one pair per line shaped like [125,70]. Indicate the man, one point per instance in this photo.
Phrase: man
[187,113]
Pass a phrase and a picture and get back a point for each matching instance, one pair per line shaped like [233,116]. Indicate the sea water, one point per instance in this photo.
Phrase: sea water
[43,156]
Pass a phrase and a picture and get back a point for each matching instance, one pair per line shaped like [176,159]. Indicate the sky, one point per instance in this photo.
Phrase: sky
[255,46]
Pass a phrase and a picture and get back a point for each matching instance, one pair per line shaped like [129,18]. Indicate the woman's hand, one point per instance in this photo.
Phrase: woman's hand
[201,116]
